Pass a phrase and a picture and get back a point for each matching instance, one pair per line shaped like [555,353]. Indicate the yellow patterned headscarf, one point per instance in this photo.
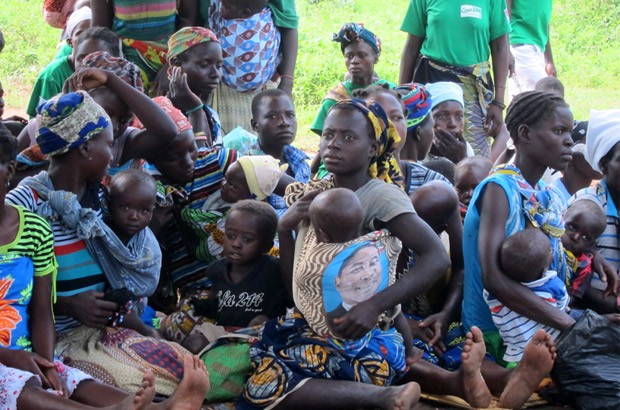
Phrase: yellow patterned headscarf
[384,166]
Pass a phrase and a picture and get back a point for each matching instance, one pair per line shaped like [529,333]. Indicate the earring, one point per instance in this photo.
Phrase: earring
[8,183]
[90,158]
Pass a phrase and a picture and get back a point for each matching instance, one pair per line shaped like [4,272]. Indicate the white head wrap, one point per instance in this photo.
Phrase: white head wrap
[445,91]
[603,133]
[78,16]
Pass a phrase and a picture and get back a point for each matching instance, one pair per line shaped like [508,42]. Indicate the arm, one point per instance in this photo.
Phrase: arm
[88,308]
[431,261]
[103,12]
[187,12]
[288,48]
[494,214]
[409,58]
[499,54]
[549,65]
[133,321]
[159,131]
[191,105]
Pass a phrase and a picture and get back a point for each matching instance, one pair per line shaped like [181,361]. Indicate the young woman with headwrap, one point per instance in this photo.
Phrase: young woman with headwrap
[603,155]
[76,134]
[452,41]
[361,49]
[356,145]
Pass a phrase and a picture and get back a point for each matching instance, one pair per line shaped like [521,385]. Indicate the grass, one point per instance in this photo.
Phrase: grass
[584,34]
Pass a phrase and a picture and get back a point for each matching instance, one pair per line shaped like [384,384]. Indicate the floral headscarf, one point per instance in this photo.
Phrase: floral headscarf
[418,103]
[187,38]
[67,121]
[384,166]
[351,32]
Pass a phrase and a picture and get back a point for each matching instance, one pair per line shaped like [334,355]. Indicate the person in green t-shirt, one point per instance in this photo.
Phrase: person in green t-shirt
[530,57]
[452,40]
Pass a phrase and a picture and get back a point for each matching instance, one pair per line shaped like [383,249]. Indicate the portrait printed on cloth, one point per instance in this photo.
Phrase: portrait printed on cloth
[353,276]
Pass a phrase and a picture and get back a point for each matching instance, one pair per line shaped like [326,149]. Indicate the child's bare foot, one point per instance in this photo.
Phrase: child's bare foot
[192,390]
[143,397]
[146,393]
[403,397]
[475,390]
[536,363]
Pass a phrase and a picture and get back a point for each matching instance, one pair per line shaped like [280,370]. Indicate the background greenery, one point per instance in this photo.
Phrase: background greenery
[585,38]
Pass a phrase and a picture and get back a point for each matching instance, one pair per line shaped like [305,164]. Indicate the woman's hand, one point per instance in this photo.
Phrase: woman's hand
[494,120]
[26,361]
[438,324]
[179,92]
[56,382]
[89,308]
[297,212]
[606,273]
[358,321]
[87,79]
[17,118]
[450,146]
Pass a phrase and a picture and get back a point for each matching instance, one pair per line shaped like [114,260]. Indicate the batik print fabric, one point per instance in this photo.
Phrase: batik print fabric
[249,47]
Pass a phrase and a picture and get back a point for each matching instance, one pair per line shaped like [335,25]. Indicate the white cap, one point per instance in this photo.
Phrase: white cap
[603,133]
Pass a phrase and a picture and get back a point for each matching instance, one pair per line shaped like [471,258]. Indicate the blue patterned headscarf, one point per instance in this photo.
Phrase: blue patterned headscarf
[384,166]
[418,103]
[351,32]
[67,121]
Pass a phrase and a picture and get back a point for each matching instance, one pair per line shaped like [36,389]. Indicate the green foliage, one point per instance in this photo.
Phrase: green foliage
[585,36]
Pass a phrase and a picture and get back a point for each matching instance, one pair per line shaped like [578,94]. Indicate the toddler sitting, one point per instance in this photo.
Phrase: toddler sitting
[247,288]
[337,216]
[525,257]
[584,222]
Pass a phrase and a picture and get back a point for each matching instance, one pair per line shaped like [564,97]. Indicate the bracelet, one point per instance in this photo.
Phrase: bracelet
[498,104]
[193,110]
[200,136]
[290,77]
[500,86]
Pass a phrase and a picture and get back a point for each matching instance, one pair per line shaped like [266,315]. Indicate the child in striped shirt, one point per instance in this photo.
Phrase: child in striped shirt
[525,258]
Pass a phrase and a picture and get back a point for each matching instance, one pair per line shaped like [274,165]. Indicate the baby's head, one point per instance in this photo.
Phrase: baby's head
[550,85]
[251,177]
[336,215]
[435,202]
[131,201]
[249,231]
[584,222]
[469,173]
[525,255]
[443,166]
[241,9]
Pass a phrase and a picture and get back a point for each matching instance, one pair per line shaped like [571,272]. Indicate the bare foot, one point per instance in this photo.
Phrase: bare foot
[403,397]
[143,397]
[536,363]
[192,390]
[146,393]
[475,390]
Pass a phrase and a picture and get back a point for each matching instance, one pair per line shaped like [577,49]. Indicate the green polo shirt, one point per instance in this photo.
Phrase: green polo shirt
[529,21]
[457,32]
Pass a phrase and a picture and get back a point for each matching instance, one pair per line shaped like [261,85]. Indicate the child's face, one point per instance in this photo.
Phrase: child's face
[276,122]
[178,162]
[229,10]
[395,111]
[132,207]
[467,180]
[243,240]
[579,236]
[235,187]
[86,47]
[116,109]
[203,67]
[82,26]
